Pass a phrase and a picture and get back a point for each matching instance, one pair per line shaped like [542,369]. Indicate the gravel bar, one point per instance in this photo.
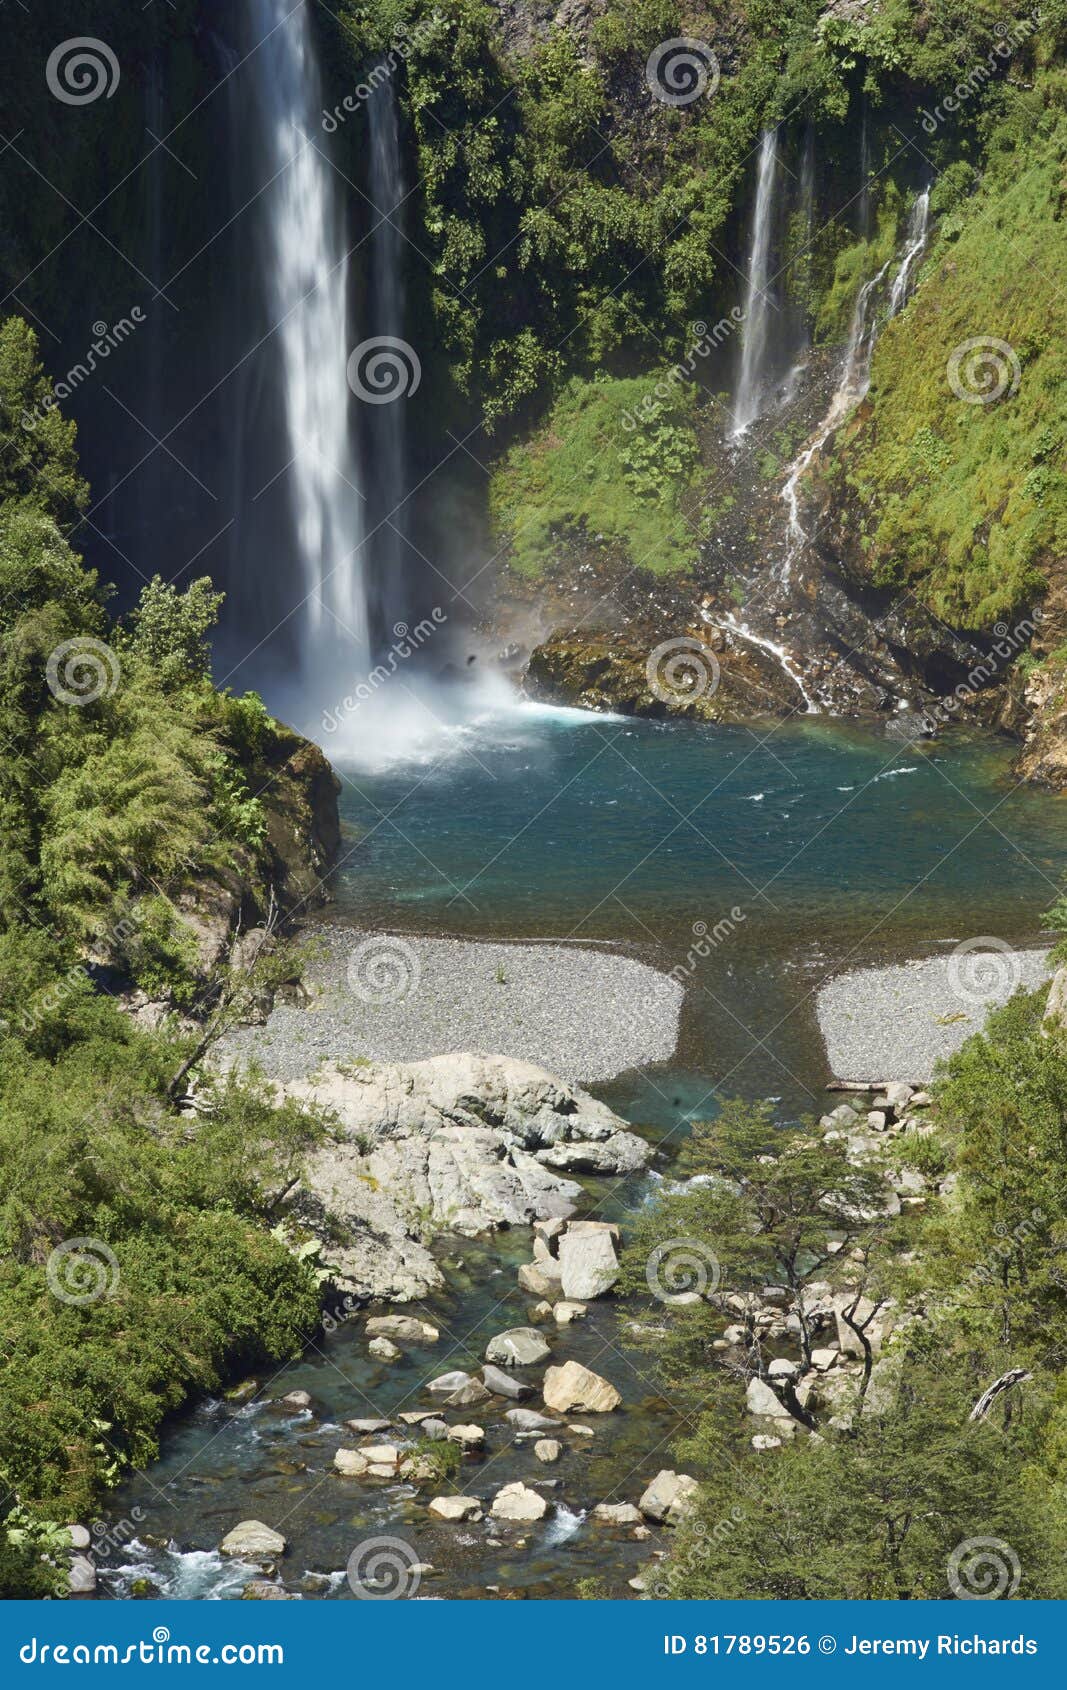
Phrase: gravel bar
[583,1014]
[897,1023]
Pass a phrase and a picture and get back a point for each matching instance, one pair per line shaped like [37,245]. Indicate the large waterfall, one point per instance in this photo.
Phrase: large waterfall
[386,426]
[306,280]
[758,305]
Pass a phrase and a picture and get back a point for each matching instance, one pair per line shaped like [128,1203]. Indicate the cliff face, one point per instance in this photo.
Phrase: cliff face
[299,795]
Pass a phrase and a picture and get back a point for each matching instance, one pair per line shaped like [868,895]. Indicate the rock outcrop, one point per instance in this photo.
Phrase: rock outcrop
[452,1144]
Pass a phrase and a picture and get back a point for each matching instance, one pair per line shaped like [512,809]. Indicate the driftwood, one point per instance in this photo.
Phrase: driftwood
[1014,1376]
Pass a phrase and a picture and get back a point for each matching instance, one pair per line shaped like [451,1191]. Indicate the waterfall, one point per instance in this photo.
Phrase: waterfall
[855,377]
[758,305]
[918,226]
[306,280]
[386,424]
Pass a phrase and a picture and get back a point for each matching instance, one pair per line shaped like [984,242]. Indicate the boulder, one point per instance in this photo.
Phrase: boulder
[251,1540]
[352,1463]
[573,1386]
[368,1428]
[617,1513]
[548,1450]
[822,1360]
[517,1502]
[384,1349]
[455,1508]
[541,1279]
[504,1384]
[565,1312]
[295,1402]
[589,1266]
[434,1429]
[468,1437]
[81,1575]
[669,1497]
[528,1420]
[402,1326]
[761,1399]
[549,1230]
[763,1442]
[446,1383]
[467,1396]
[782,1368]
[522,1346]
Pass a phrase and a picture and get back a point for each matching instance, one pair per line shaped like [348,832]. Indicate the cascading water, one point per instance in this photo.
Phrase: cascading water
[386,427]
[855,376]
[758,305]
[306,278]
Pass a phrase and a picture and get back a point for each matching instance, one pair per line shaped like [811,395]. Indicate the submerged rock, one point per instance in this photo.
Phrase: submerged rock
[522,1346]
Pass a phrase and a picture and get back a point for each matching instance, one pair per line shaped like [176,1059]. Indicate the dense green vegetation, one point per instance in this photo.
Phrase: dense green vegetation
[900,1473]
[135,1240]
[954,475]
[614,463]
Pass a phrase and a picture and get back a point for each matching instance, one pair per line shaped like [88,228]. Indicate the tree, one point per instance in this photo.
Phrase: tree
[768,1206]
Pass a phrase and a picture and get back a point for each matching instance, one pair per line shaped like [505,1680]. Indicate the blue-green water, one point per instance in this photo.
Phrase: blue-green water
[816,846]
[803,847]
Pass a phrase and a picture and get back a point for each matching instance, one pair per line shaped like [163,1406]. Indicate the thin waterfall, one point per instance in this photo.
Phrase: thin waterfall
[387,423]
[306,280]
[758,306]
[855,377]
[918,227]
